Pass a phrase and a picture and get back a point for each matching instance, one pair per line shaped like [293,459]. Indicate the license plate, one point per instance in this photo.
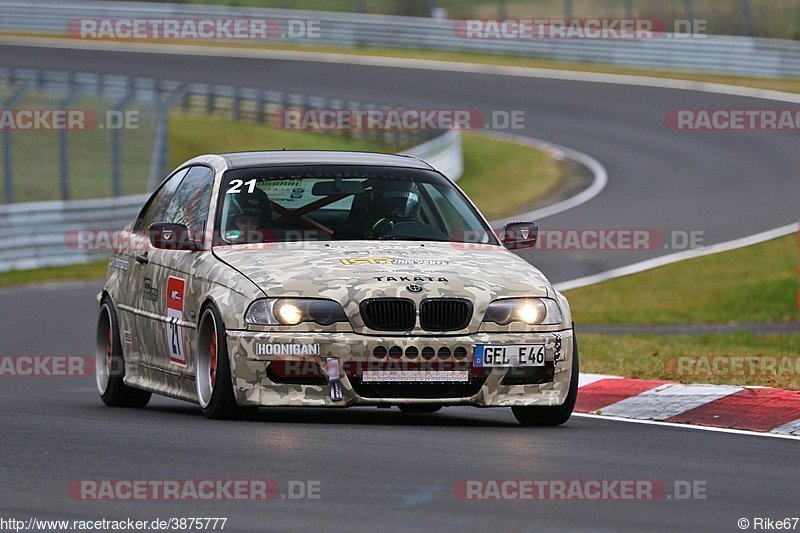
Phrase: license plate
[500,355]
[425,376]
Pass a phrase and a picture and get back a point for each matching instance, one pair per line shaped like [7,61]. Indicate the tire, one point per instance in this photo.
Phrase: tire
[213,377]
[110,364]
[553,415]
[418,409]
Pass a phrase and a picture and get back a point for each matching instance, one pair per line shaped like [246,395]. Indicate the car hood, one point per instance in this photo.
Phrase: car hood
[350,272]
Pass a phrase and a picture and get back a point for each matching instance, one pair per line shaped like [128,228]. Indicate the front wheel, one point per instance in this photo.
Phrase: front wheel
[110,364]
[213,378]
[557,414]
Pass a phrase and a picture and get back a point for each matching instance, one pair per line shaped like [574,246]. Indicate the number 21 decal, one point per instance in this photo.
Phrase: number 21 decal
[175,295]
[236,186]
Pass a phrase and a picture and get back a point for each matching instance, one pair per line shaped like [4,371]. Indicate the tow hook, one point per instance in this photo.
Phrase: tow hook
[557,355]
[334,380]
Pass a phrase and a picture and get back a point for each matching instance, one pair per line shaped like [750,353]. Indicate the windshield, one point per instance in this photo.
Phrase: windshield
[315,203]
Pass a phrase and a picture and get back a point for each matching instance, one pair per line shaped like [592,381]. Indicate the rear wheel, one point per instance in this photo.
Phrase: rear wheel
[110,364]
[552,415]
[419,408]
[214,383]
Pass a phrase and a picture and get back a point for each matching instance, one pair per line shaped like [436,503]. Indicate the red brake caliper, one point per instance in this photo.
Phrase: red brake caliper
[212,366]
[108,351]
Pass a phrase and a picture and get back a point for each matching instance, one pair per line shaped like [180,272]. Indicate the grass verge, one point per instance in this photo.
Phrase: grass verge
[503,178]
[753,284]
[735,359]
[88,271]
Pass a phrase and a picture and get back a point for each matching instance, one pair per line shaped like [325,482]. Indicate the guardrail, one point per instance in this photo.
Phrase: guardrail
[36,234]
[721,54]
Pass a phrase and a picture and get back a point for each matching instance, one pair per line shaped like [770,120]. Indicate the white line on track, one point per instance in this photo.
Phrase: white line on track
[599,172]
[668,259]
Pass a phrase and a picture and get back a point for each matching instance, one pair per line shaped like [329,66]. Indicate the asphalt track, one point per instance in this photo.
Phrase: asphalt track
[380,469]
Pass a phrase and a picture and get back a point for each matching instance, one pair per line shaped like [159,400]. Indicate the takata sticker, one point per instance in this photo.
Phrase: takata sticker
[175,295]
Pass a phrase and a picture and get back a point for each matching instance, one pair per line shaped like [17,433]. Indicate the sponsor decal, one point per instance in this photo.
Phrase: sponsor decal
[127,337]
[411,278]
[175,296]
[390,260]
[366,260]
[266,348]
[420,262]
[119,264]
[556,347]
[148,291]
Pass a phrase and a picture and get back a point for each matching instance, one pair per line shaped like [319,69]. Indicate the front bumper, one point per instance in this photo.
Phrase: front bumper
[255,383]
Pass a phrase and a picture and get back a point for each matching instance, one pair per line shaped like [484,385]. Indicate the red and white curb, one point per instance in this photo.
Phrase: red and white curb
[757,409]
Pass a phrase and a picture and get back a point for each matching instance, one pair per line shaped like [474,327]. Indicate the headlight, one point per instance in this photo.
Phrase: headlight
[531,311]
[293,311]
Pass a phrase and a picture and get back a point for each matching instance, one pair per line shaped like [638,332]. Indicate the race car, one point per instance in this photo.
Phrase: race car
[329,279]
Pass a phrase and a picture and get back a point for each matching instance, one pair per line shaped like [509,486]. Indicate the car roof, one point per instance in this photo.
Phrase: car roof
[320,157]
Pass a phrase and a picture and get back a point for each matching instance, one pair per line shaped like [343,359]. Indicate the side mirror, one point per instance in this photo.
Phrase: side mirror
[520,235]
[168,236]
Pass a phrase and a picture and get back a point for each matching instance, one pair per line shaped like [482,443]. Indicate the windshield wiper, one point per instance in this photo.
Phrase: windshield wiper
[409,238]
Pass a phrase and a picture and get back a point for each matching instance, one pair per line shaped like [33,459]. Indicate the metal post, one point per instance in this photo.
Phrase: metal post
[359,6]
[797,33]
[502,9]
[116,157]
[8,172]
[568,9]
[628,9]
[236,102]
[210,100]
[260,107]
[159,164]
[163,155]
[689,14]
[72,93]
[747,28]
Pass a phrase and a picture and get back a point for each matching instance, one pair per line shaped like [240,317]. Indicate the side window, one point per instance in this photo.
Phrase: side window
[189,205]
[156,208]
